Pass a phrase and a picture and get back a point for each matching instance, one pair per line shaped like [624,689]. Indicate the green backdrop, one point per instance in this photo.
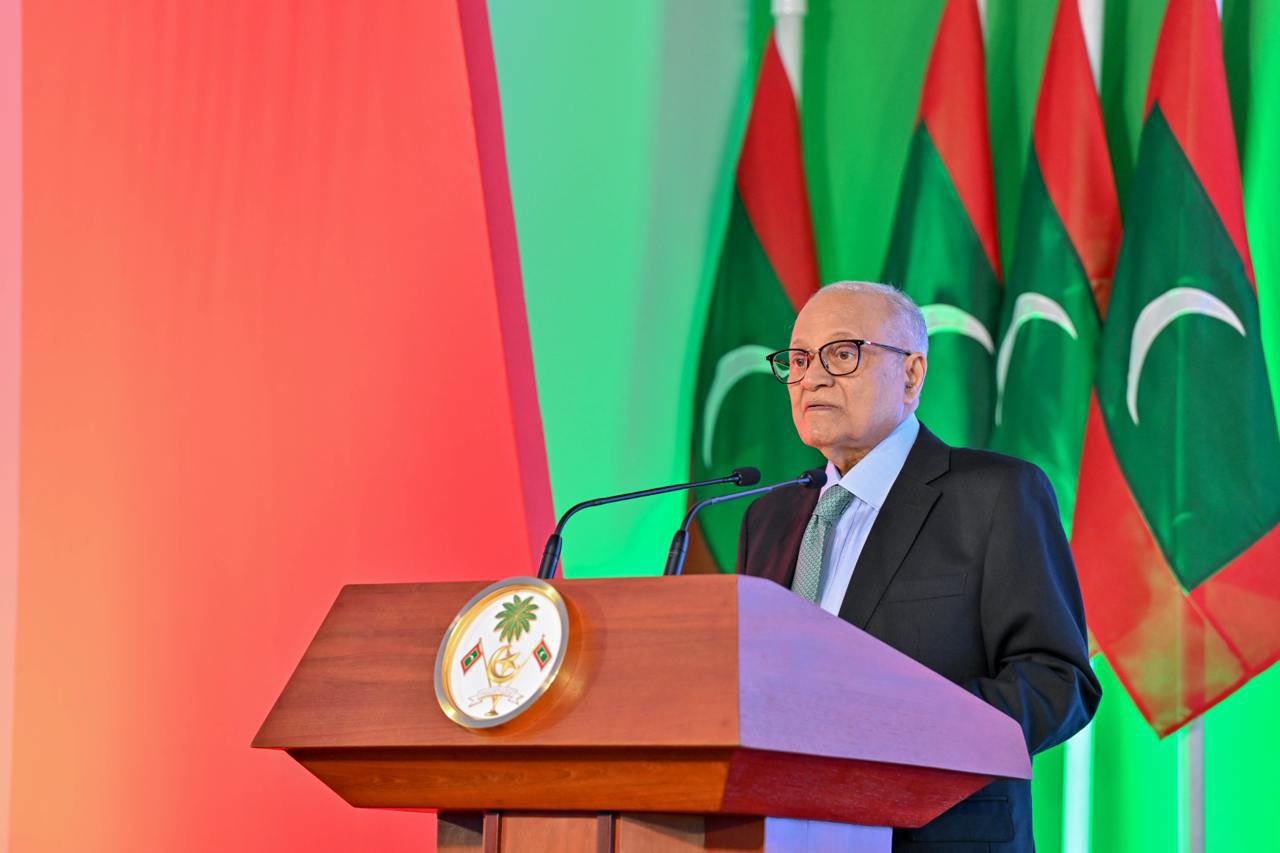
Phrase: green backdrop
[623,121]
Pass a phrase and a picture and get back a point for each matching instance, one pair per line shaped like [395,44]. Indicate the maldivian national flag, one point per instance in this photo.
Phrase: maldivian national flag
[542,653]
[470,658]
[768,268]
[1177,527]
[943,248]
[1063,260]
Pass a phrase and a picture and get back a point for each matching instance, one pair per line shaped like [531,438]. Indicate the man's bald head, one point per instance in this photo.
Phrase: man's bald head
[908,324]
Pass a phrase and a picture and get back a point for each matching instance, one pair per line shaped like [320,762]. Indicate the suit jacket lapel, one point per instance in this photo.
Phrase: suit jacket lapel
[788,543]
[895,529]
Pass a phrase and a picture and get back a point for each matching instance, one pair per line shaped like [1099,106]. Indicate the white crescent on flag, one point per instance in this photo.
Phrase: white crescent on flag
[733,366]
[940,317]
[1158,314]
[1027,307]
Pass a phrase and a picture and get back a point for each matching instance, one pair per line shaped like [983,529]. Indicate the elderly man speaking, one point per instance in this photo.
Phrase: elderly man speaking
[955,557]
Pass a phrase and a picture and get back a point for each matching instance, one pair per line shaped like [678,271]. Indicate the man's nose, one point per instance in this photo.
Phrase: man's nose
[816,376]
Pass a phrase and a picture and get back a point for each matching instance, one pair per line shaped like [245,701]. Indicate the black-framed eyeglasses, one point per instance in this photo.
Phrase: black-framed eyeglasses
[839,358]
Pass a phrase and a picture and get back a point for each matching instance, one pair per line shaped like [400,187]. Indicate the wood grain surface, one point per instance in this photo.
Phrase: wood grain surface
[690,780]
[828,789]
[367,678]
[653,833]
[562,833]
[660,833]
[705,695]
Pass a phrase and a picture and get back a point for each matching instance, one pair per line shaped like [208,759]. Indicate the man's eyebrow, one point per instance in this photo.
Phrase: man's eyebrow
[841,335]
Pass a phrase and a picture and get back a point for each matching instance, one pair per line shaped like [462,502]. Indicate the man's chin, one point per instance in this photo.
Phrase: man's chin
[824,422]
[819,440]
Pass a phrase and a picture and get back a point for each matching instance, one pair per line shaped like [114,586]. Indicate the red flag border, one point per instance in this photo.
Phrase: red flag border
[954,110]
[1068,122]
[1129,590]
[771,181]
[1189,80]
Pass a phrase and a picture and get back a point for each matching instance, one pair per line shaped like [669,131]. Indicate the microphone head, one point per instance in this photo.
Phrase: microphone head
[814,478]
[747,476]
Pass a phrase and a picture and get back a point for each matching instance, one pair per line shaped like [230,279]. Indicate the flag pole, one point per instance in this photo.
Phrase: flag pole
[1077,772]
[788,32]
[1191,760]
[1191,766]
[1092,14]
[1191,787]
[1077,793]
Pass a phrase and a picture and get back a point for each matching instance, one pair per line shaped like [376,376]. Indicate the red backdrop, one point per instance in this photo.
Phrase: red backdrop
[263,353]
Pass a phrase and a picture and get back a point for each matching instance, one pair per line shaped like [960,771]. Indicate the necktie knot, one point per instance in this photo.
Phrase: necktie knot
[833,504]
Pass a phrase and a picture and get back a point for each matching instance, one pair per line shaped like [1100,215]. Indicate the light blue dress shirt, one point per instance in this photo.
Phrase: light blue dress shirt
[869,481]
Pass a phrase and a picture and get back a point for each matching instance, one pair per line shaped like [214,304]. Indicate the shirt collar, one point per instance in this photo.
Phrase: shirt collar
[873,476]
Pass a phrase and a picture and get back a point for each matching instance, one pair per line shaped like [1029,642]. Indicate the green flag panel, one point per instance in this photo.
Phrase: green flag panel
[1182,383]
[1049,333]
[742,414]
[936,257]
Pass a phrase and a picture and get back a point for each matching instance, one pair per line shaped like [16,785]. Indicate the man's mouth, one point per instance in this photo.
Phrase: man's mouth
[809,407]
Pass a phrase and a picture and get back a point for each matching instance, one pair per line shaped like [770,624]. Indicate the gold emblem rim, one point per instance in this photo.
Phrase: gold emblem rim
[465,618]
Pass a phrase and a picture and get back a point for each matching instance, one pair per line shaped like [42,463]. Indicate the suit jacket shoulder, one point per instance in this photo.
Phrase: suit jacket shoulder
[982,470]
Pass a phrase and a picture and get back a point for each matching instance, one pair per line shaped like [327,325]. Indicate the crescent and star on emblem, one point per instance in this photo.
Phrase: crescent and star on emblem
[502,652]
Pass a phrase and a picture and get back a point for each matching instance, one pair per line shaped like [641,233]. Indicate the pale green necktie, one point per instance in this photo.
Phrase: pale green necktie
[808,579]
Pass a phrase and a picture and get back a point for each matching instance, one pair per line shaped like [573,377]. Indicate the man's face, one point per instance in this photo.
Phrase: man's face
[846,416]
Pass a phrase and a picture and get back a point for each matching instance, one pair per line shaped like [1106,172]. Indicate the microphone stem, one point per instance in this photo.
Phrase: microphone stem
[680,542]
[551,553]
[693,510]
[676,555]
[550,556]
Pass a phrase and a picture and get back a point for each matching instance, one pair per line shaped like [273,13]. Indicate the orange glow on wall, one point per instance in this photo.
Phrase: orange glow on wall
[262,356]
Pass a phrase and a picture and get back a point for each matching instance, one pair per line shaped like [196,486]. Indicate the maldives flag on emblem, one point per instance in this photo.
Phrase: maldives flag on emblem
[541,653]
[470,658]
[1177,526]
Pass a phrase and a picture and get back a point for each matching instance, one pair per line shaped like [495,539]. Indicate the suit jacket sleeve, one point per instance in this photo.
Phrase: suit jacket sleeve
[742,540]
[1033,617]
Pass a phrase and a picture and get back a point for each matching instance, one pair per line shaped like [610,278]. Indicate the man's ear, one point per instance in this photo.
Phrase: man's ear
[916,368]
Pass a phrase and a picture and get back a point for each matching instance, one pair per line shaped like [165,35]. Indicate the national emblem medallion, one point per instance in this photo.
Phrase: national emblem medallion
[502,652]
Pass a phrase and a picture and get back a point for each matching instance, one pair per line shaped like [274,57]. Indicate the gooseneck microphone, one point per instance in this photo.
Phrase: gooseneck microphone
[815,478]
[551,553]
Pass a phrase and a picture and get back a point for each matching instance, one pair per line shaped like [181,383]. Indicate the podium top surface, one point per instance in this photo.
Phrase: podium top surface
[687,663]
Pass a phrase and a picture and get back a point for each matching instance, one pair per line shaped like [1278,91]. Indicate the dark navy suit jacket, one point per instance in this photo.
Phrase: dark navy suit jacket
[967,570]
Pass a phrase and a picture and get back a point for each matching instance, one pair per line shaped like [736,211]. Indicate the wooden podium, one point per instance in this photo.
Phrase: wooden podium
[713,712]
